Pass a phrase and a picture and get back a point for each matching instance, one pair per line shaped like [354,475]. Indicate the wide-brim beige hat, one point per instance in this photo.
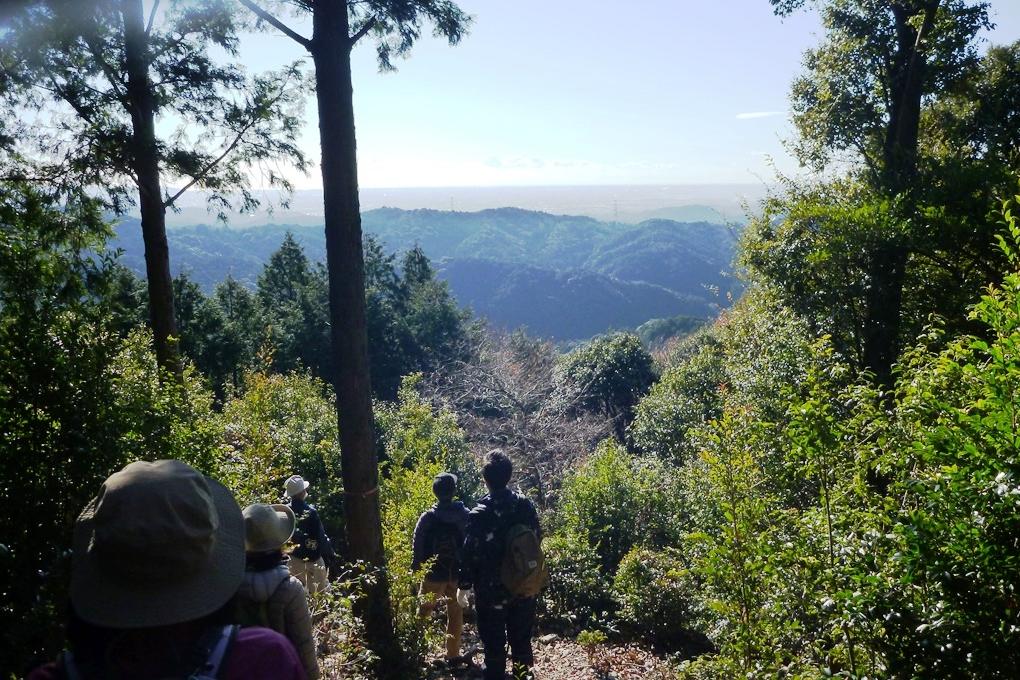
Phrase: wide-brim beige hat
[160,544]
[267,527]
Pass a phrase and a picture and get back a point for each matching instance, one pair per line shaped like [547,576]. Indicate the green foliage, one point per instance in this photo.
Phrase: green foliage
[658,596]
[657,332]
[339,633]
[419,443]
[615,501]
[753,357]
[77,402]
[688,395]
[70,61]
[294,298]
[608,375]
[167,419]
[845,98]
[278,426]
[866,536]
[414,323]
[578,592]
[959,565]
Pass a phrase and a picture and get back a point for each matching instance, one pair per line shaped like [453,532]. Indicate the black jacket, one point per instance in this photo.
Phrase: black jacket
[310,536]
[486,540]
[443,516]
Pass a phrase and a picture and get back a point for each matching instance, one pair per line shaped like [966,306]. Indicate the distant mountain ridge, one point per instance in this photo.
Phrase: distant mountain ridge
[561,276]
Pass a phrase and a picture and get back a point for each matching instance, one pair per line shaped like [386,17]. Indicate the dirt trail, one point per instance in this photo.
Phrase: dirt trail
[563,659]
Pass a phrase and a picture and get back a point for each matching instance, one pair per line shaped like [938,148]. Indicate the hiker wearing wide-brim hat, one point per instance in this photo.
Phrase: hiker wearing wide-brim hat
[269,596]
[312,545]
[158,555]
[161,543]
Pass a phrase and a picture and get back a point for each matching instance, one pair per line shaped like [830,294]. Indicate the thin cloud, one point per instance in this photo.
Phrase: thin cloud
[759,114]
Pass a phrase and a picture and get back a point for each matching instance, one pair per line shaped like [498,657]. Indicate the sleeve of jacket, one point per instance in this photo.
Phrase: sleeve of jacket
[419,544]
[325,546]
[298,622]
[470,553]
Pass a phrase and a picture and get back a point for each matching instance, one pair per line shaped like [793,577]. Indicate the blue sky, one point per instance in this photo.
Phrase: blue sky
[576,92]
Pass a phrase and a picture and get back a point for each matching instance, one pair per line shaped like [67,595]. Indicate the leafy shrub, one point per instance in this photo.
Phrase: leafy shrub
[278,426]
[615,501]
[593,643]
[608,375]
[659,597]
[167,419]
[339,633]
[687,396]
[578,591]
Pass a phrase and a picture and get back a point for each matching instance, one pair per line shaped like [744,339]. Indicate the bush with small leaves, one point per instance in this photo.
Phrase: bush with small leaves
[659,597]
[578,591]
[615,501]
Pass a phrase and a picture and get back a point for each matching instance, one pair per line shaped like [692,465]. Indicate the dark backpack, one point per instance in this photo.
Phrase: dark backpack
[213,650]
[251,613]
[445,545]
[522,571]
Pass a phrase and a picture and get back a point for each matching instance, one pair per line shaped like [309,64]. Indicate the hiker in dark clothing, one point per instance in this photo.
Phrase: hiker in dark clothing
[308,560]
[502,616]
[439,534]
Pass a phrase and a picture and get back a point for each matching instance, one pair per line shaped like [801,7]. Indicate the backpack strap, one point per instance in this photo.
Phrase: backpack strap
[217,654]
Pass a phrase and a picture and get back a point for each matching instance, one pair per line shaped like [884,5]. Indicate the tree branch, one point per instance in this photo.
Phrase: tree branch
[365,28]
[279,25]
[152,18]
[204,172]
[115,83]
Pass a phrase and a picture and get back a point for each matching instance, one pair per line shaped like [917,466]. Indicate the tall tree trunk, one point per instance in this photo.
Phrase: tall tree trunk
[889,257]
[145,163]
[345,262]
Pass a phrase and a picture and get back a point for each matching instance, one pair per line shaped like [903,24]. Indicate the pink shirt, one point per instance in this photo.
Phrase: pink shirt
[257,654]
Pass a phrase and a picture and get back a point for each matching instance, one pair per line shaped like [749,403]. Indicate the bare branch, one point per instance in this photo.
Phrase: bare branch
[279,25]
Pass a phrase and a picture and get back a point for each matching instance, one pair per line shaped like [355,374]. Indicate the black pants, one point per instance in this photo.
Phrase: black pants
[499,623]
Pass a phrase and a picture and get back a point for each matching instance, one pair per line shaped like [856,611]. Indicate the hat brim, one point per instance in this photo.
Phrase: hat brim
[283,529]
[104,600]
[305,484]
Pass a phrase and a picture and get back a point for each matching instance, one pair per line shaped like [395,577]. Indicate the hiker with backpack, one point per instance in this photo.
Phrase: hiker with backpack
[313,547]
[503,563]
[438,536]
[156,560]
[269,596]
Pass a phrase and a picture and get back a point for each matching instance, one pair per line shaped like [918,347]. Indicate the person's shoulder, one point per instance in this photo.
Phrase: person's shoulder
[524,501]
[291,589]
[482,506]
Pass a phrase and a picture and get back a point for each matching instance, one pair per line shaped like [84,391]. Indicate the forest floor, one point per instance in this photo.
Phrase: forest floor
[558,658]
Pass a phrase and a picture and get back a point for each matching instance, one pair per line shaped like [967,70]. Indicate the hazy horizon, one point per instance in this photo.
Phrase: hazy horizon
[621,203]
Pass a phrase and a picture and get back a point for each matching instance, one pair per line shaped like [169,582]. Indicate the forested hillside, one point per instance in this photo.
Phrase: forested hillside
[821,481]
[587,276]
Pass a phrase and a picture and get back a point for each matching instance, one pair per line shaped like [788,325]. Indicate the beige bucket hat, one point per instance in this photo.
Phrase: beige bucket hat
[295,485]
[161,544]
[267,527]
